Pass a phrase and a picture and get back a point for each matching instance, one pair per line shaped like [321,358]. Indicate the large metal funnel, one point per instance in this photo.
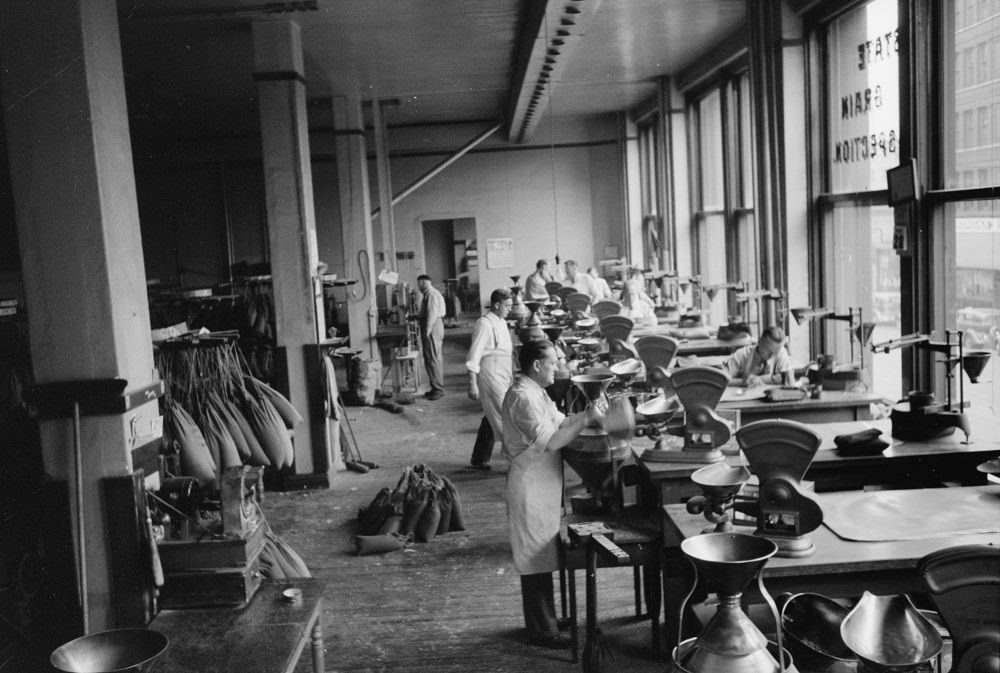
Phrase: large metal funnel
[727,562]
[114,651]
[889,634]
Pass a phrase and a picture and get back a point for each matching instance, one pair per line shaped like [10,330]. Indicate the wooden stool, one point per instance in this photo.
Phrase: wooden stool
[405,370]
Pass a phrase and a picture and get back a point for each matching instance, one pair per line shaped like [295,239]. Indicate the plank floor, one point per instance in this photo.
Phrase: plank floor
[452,604]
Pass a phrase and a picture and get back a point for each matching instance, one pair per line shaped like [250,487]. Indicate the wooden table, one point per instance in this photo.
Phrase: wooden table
[637,533]
[266,636]
[838,568]
[833,406]
[904,463]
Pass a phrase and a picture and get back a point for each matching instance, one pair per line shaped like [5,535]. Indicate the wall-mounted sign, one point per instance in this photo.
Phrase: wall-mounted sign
[499,253]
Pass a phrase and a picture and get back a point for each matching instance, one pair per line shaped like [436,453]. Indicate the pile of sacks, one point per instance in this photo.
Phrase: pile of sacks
[421,506]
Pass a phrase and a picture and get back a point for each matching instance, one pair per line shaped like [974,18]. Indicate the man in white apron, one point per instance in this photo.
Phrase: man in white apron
[490,369]
[534,432]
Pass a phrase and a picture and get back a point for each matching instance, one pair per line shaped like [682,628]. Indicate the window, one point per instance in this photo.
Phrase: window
[725,232]
[860,269]
[967,221]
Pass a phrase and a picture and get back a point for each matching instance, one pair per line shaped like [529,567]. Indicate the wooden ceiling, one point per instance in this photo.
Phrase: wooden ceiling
[188,63]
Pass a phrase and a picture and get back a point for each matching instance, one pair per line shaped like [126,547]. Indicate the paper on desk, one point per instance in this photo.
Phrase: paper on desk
[918,514]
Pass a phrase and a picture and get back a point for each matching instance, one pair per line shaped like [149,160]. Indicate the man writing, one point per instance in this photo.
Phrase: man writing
[766,362]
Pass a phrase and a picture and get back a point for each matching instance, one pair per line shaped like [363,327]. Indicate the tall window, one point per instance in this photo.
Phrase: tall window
[860,267]
[725,229]
[966,211]
[653,243]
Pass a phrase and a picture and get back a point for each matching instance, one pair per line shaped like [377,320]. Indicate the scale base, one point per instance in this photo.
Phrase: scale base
[791,547]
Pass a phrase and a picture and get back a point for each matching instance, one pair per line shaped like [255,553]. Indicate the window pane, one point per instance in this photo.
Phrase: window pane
[710,146]
[746,144]
[972,297]
[863,97]
[864,274]
[971,101]
[712,265]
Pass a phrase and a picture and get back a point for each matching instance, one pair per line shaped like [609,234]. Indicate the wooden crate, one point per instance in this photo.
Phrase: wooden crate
[209,553]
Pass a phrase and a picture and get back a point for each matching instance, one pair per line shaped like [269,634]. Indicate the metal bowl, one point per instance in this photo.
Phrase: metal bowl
[811,623]
[586,323]
[589,344]
[659,409]
[112,651]
[627,368]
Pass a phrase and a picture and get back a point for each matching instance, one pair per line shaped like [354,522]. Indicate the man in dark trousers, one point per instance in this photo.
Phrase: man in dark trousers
[431,320]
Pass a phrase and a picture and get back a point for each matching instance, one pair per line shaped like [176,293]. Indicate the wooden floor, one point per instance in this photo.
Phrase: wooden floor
[449,605]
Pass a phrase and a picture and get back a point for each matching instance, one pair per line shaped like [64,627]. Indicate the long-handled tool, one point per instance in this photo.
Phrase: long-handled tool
[354,450]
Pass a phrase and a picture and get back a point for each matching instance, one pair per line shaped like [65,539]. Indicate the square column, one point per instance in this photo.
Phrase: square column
[78,230]
[291,224]
[355,217]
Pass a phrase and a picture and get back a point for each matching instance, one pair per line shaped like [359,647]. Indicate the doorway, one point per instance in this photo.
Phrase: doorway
[451,260]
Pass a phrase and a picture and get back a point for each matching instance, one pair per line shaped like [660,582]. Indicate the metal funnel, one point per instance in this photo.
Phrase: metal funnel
[114,651]
[593,385]
[974,362]
[727,562]
[889,634]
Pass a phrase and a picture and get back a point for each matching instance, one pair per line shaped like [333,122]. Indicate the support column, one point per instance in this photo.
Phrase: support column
[78,228]
[356,225]
[291,224]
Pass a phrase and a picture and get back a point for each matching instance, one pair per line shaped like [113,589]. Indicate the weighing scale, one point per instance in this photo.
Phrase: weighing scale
[719,485]
[919,417]
[779,453]
[699,390]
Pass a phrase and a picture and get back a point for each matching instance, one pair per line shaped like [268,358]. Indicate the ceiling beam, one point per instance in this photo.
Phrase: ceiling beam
[553,30]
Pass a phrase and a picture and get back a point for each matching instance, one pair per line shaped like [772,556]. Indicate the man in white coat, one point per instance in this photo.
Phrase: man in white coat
[534,432]
[490,369]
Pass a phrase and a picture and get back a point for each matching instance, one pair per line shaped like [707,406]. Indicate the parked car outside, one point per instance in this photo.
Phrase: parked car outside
[980,327]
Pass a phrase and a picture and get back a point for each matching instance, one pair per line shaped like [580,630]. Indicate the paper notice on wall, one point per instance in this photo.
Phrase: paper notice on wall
[499,253]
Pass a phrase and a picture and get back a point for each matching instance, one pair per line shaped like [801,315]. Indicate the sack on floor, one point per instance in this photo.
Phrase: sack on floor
[365,379]
[386,503]
[365,545]
[430,517]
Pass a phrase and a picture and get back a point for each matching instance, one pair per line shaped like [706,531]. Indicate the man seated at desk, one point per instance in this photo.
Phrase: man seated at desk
[767,362]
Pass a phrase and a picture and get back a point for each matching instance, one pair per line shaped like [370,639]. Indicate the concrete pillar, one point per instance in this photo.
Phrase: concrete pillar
[291,223]
[356,224]
[78,228]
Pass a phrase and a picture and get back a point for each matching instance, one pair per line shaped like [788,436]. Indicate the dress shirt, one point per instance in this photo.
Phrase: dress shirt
[432,307]
[490,337]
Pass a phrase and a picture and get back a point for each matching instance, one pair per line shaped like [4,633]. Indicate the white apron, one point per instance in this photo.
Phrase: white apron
[494,379]
[534,480]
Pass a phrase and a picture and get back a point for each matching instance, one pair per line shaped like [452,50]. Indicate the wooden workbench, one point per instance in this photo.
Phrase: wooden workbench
[268,635]
[904,463]
[833,406]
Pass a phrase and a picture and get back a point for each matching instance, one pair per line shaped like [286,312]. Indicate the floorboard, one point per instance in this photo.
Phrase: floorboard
[452,604]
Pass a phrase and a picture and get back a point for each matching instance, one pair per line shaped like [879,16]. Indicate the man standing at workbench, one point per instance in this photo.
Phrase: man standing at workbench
[431,321]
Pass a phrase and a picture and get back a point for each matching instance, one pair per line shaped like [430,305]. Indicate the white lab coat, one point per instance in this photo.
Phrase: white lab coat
[489,358]
[534,480]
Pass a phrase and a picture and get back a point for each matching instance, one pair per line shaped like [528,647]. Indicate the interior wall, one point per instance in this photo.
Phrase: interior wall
[562,197]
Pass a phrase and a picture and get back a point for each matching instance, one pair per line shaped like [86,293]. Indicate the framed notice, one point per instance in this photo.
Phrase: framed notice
[499,253]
